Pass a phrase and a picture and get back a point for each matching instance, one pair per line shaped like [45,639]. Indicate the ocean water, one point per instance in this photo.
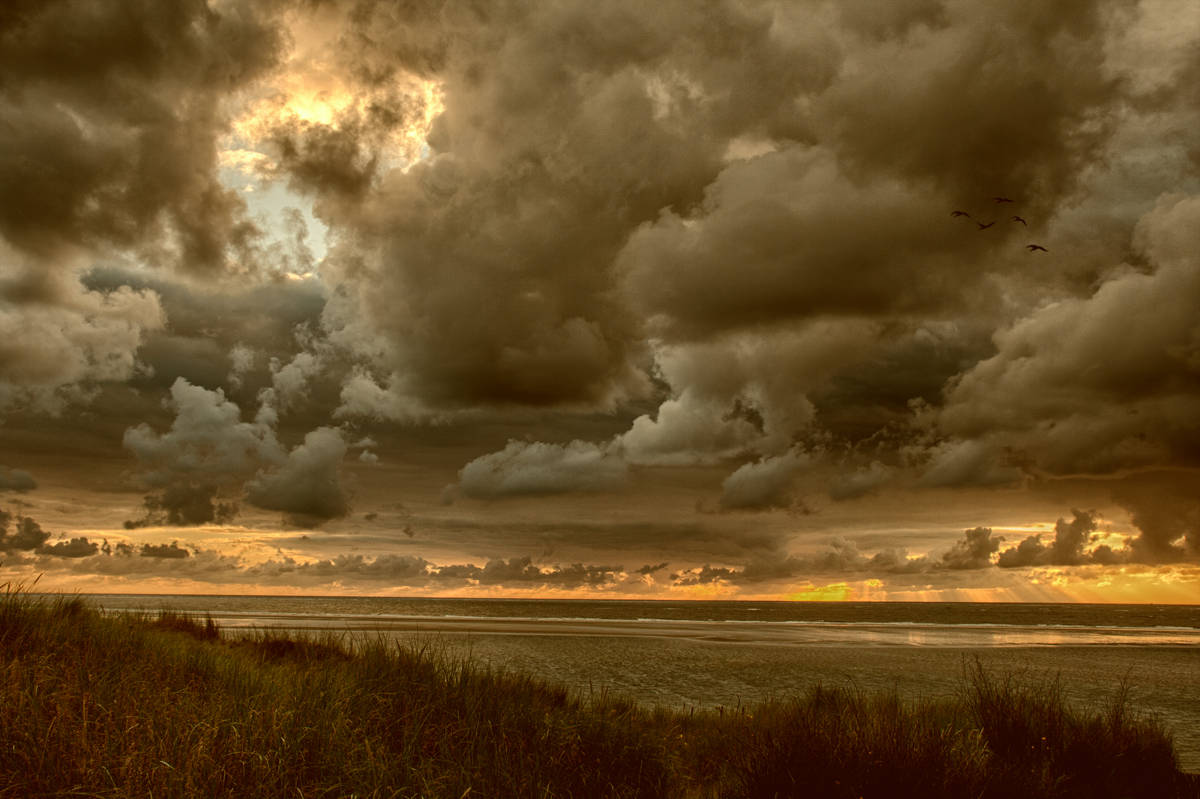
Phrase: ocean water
[709,654]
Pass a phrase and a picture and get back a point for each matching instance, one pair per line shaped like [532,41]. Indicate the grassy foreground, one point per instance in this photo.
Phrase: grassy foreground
[161,706]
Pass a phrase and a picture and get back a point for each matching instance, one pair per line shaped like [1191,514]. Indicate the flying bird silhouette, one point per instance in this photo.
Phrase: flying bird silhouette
[1032,247]
[1022,221]
[983,226]
[960,213]
[1003,200]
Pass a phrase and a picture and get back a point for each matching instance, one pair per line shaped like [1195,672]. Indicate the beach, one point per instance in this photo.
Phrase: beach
[730,654]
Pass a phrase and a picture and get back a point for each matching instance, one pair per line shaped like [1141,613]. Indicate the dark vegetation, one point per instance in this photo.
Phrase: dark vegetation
[167,705]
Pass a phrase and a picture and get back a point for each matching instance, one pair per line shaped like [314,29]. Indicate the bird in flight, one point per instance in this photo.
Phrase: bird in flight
[960,213]
[1003,200]
[1022,221]
[1032,247]
[983,226]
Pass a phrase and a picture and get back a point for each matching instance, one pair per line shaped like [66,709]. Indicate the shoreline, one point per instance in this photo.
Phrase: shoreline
[183,673]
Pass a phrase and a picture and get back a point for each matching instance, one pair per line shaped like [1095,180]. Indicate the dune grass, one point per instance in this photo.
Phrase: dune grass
[166,705]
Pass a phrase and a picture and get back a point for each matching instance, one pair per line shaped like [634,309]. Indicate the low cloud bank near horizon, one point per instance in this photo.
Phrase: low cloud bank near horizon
[1074,544]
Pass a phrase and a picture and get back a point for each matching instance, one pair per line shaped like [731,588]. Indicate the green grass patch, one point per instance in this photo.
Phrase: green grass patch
[167,705]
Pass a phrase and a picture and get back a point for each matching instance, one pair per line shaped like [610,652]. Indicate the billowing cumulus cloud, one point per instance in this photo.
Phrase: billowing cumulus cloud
[241,360]
[307,486]
[1067,548]
[538,468]
[860,482]
[690,429]
[764,484]
[1168,522]
[58,343]
[743,393]
[172,550]
[289,382]
[207,441]
[183,504]
[1105,382]
[75,548]
[974,550]
[775,238]
[20,532]
[208,446]
[363,396]
[968,463]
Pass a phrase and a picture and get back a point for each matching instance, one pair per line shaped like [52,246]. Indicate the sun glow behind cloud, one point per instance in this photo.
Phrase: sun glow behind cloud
[311,89]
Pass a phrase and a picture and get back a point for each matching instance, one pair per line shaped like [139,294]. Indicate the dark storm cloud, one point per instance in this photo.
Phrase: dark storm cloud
[185,504]
[172,550]
[1167,518]
[208,323]
[974,550]
[777,234]
[111,112]
[20,532]
[1093,384]
[944,124]
[873,395]
[1018,107]
[75,548]
[110,115]
[564,128]
[956,464]
[1067,548]
[308,486]
[16,480]
[648,569]
[753,201]
[881,20]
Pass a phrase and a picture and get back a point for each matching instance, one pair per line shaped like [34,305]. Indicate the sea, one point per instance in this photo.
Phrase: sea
[709,654]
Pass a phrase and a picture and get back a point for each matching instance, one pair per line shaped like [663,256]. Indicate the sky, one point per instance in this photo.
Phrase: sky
[610,299]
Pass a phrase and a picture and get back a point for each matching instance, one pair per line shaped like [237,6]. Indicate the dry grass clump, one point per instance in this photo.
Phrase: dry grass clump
[166,705]
[1008,735]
